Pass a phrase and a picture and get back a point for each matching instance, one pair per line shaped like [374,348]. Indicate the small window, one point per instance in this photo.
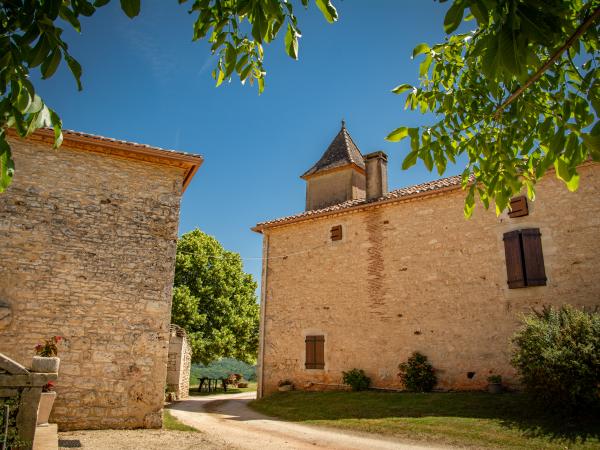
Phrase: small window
[315,352]
[518,207]
[336,233]
[524,258]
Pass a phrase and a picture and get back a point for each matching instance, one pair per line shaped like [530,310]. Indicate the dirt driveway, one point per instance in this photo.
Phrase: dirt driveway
[227,418]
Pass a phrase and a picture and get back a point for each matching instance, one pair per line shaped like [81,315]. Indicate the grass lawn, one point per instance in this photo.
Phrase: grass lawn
[473,419]
[251,388]
[171,423]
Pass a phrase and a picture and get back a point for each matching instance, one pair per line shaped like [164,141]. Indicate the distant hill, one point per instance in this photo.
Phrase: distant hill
[221,369]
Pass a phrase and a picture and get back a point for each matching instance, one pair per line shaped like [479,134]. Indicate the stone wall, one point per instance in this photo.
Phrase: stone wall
[88,248]
[417,276]
[179,364]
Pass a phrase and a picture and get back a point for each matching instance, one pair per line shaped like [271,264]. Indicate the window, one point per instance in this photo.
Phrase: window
[315,352]
[336,233]
[518,207]
[524,258]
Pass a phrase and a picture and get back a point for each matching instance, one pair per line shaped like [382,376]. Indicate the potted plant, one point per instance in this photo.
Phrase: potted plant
[46,360]
[494,384]
[285,385]
[46,402]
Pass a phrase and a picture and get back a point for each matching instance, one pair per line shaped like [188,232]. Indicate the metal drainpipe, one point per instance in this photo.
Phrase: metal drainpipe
[263,314]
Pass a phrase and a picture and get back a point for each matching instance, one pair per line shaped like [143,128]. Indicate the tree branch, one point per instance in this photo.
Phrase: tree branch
[536,76]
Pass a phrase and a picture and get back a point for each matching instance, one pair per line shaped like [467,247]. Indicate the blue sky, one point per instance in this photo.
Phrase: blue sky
[145,81]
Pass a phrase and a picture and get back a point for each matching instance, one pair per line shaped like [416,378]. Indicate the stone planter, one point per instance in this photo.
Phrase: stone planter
[45,364]
[495,388]
[285,388]
[45,407]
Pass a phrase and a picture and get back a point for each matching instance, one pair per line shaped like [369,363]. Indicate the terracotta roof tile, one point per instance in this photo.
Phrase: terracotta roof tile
[96,137]
[341,152]
[410,191]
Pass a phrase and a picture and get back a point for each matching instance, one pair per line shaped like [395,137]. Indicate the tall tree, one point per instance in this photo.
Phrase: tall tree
[516,95]
[214,300]
[31,38]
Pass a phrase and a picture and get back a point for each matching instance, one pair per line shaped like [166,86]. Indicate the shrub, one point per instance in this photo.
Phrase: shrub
[494,379]
[417,374]
[557,356]
[357,379]
[49,348]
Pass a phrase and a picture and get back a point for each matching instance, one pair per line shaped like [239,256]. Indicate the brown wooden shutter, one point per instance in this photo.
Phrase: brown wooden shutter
[533,257]
[518,207]
[319,352]
[315,352]
[336,233]
[514,265]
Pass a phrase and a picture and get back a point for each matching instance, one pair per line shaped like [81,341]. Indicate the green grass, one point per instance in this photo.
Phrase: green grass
[170,422]
[251,388]
[478,419]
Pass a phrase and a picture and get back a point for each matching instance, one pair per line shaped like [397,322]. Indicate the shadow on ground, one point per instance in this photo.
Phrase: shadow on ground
[509,410]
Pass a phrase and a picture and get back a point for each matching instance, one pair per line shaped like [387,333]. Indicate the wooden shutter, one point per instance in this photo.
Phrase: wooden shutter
[533,257]
[336,233]
[315,352]
[514,261]
[518,207]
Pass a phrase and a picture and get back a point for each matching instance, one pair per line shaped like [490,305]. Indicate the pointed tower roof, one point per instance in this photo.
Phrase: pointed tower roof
[341,152]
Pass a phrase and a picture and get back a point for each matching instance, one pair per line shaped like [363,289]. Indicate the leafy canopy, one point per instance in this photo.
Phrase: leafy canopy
[31,39]
[214,300]
[516,96]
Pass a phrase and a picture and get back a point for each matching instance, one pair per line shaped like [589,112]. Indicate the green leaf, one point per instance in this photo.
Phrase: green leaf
[419,49]
[75,68]
[397,135]
[220,78]
[50,64]
[454,16]
[410,160]
[291,42]
[424,66]
[261,85]
[130,7]
[328,10]
[402,88]
[230,59]
[469,203]
[7,165]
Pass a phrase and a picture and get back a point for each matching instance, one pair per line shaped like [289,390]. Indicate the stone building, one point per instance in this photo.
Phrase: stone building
[364,277]
[179,363]
[88,236]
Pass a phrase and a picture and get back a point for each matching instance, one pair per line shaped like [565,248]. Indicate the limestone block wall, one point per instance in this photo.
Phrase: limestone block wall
[87,253]
[418,276]
[179,363]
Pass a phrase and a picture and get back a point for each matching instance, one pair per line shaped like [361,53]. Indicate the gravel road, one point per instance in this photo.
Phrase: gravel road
[228,419]
[227,423]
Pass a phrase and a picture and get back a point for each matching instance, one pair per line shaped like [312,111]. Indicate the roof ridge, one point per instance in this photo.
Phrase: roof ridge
[415,190]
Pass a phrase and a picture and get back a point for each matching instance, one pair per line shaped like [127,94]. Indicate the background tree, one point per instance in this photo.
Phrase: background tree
[30,38]
[515,96]
[214,300]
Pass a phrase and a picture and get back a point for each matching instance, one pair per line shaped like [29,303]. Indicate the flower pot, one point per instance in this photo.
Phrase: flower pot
[45,364]
[285,388]
[495,388]
[45,407]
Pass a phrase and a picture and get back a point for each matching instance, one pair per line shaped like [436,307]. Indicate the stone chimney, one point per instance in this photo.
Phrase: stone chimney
[377,181]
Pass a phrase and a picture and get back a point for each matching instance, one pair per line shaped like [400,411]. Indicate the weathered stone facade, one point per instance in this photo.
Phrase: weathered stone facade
[88,245]
[179,363]
[412,274]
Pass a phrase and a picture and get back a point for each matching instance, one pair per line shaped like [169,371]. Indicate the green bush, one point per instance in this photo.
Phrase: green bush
[557,356]
[417,374]
[357,379]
